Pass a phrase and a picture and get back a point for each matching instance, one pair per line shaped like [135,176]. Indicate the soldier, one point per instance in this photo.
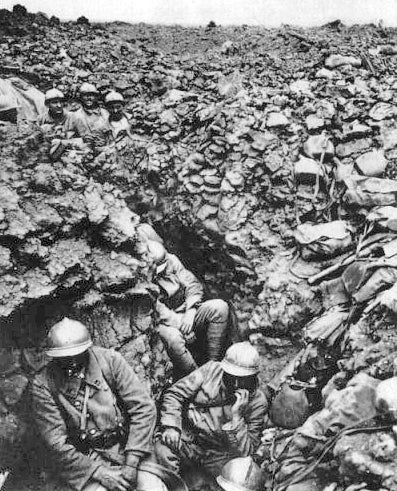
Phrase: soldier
[118,119]
[90,121]
[8,109]
[215,414]
[88,405]
[182,314]
[55,116]
[57,125]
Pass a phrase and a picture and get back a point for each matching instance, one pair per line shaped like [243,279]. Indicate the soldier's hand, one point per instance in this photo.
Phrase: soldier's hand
[242,399]
[188,321]
[172,438]
[131,474]
[130,470]
[112,478]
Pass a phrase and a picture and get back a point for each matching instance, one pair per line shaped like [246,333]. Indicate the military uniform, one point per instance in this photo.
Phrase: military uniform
[200,408]
[90,124]
[120,416]
[180,291]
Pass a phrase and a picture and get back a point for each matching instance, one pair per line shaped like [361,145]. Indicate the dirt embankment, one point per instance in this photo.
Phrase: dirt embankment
[222,118]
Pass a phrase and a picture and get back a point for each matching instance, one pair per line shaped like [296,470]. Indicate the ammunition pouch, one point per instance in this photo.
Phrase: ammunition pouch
[105,440]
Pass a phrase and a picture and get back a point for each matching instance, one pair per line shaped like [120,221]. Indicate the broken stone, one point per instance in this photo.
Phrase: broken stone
[372,163]
[277,120]
[381,111]
[316,146]
[314,123]
[352,147]
[335,61]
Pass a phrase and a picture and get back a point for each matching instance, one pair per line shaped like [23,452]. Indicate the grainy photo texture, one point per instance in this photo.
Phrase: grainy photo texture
[198,245]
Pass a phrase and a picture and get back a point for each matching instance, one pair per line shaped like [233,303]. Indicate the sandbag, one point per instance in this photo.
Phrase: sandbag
[327,327]
[389,298]
[290,407]
[30,100]
[370,191]
[324,239]
[317,146]
[307,171]
[382,277]
[384,216]
[343,408]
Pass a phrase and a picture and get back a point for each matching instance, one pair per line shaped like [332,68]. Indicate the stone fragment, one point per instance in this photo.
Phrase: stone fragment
[277,120]
[335,61]
[316,146]
[382,110]
[307,171]
[97,210]
[5,260]
[207,211]
[356,130]
[300,87]
[313,123]
[352,147]
[372,163]
[325,73]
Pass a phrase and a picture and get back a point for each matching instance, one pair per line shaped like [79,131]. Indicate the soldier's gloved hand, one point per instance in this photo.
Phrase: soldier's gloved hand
[242,400]
[172,438]
[111,478]
[130,470]
[188,321]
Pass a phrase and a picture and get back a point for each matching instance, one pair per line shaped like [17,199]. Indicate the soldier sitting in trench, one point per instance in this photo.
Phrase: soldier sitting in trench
[182,314]
[92,412]
[213,415]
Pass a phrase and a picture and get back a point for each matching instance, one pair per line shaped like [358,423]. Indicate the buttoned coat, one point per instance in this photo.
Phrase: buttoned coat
[116,397]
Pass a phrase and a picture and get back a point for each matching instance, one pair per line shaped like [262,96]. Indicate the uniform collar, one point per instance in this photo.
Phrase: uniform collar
[93,373]
[70,386]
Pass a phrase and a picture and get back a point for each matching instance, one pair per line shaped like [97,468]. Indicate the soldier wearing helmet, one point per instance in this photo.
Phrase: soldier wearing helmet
[182,313]
[119,121]
[88,402]
[8,109]
[55,119]
[56,124]
[214,414]
[90,122]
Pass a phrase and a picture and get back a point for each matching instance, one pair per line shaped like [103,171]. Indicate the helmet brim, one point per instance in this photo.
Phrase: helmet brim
[229,486]
[68,351]
[238,371]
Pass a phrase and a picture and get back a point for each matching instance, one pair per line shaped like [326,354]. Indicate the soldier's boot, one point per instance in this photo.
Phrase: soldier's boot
[213,315]
[175,345]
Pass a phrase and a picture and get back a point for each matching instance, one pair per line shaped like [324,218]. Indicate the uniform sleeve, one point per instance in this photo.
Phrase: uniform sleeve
[74,467]
[140,407]
[178,395]
[245,436]
[193,289]
[167,316]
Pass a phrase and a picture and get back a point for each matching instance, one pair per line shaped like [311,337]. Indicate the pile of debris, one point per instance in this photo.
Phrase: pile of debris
[266,160]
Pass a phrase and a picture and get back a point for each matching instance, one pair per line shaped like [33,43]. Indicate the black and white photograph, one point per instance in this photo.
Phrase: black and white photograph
[198,245]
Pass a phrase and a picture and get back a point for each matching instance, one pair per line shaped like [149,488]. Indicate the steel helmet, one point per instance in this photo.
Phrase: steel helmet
[114,97]
[241,360]
[87,88]
[386,398]
[68,338]
[159,254]
[53,94]
[240,474]
[7,102]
